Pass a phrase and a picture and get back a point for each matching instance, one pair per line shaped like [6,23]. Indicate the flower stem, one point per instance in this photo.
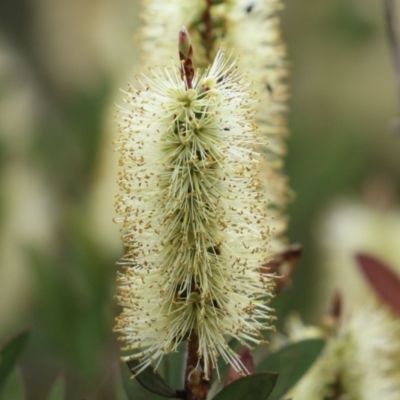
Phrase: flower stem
[196,385]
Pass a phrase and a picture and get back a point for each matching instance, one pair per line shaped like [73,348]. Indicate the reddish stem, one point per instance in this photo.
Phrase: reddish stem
[196,385]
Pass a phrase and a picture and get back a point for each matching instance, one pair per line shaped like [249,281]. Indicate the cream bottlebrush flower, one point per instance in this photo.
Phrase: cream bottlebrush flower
[360,362]
[251,28]
[193,217]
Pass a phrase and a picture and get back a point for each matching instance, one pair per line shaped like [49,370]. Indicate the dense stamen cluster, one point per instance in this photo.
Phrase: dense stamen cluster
[343,370]
[194,218]
[252,29]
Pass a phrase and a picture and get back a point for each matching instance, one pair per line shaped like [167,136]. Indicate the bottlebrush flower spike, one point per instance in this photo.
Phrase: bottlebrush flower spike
[193,216]
[251,28]
[360,361]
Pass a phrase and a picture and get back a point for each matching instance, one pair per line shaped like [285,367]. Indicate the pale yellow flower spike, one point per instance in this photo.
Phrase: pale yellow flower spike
[360,362]
[251,29]
[194,219]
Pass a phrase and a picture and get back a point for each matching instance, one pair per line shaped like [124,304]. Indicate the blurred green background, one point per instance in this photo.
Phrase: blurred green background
[61,66]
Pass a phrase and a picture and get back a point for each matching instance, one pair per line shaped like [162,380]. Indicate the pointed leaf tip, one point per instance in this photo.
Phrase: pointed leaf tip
[255,387]
[9,354]
[184,43]
[292,362]
[57,392]
[186,57]
[382,279]
[148,379]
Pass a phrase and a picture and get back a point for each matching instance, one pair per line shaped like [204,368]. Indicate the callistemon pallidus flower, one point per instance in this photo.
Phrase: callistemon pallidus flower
[361,361]
[194,218]
[250,28]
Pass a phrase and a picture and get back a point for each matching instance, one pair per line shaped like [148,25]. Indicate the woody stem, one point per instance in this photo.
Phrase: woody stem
[196,385]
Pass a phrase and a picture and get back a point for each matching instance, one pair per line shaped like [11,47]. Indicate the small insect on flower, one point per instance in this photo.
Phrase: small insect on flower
[193,217]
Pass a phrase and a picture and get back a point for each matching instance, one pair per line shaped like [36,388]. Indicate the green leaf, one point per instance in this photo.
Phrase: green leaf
[291,362]
[144,387]
[58,390]
[255,387]
[10,353]
[152,381]
[13,388]
[172,367]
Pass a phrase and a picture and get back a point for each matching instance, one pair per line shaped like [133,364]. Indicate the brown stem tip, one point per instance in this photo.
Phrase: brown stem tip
[186,57]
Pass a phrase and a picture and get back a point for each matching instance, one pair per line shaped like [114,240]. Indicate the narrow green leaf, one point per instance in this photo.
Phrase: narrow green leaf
[9,354]
[173,366]
[291,362]
[13,388]
[58,390]
[152,381]
[136,389]
[255,387]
